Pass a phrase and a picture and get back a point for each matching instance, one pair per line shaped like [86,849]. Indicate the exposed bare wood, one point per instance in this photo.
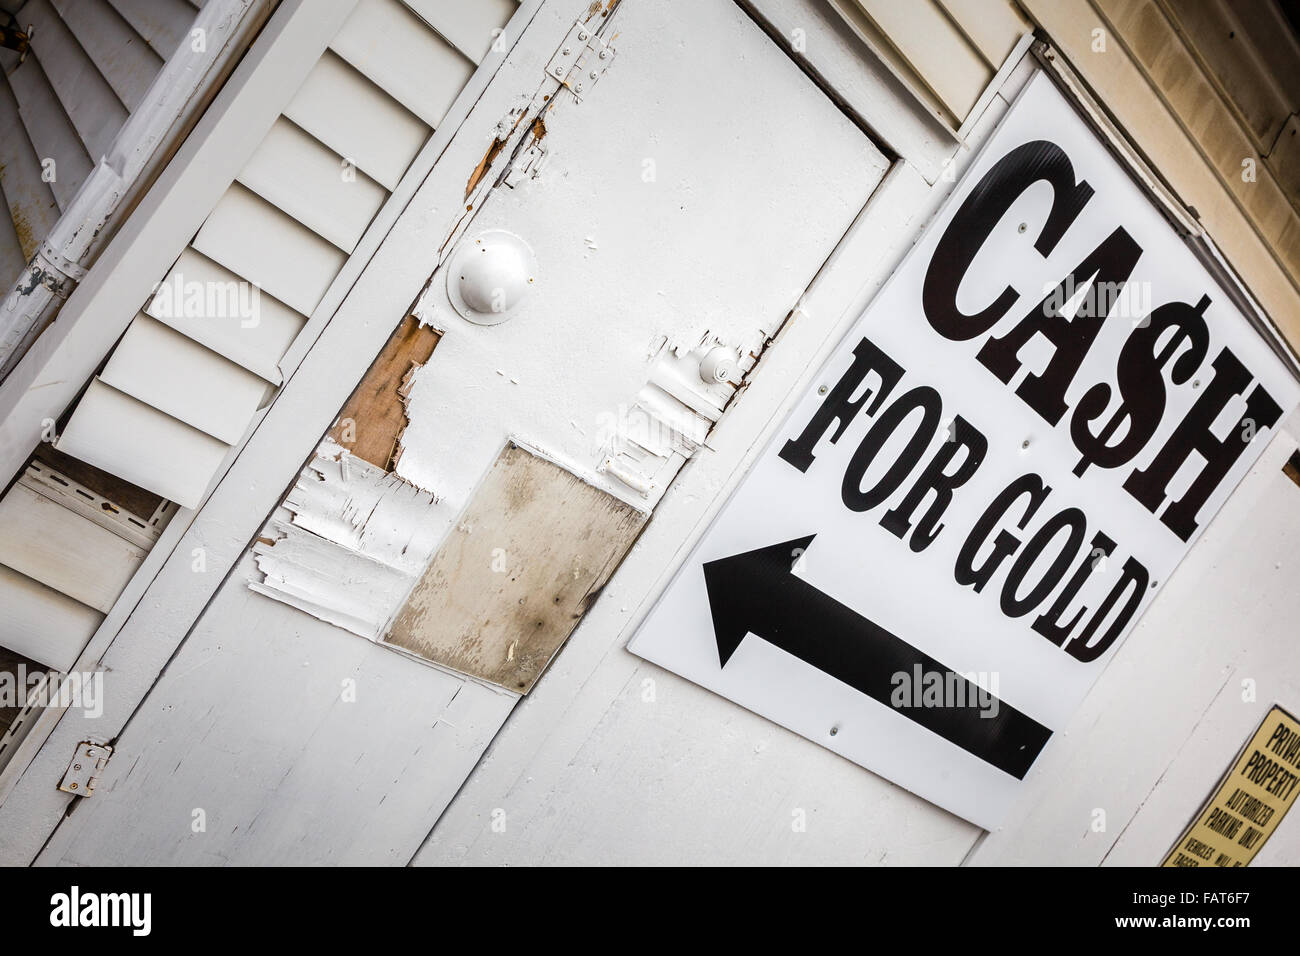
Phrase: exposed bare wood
[375,415]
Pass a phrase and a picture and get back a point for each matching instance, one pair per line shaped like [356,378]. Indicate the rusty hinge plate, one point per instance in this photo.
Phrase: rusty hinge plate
[581,60]
[83,772]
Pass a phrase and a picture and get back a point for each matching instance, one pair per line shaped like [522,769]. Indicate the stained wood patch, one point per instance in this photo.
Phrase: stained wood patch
[525,561]
[375,416]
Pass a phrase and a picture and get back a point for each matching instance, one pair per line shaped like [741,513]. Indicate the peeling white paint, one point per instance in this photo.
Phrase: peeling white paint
[348,543]
[671,414]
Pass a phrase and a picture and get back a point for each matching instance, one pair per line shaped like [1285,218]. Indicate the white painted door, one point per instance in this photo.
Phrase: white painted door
[688,200]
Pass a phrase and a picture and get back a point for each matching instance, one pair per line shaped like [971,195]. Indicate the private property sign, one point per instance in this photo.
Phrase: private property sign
[1002,463]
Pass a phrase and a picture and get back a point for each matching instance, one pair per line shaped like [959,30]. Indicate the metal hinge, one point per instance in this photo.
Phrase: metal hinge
[83,772]
[581,60]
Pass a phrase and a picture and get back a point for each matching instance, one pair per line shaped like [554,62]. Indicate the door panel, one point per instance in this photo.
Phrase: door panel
[688,199]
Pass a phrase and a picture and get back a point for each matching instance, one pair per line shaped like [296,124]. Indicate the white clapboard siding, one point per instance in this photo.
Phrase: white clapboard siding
[189,382]
[64,550]
[128,438]
[352,116]
[118,52]
[993,27]
[945,61]
[188,375]
[95,110]
[32,208]
[391,45]
[41,624]
[258,242]
[217,308]
[313,184]
[467,26]
[52,134]
[163,24]
[11,250]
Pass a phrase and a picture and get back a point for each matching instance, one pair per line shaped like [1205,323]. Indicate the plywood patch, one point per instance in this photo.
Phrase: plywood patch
[374,417]
[527,559]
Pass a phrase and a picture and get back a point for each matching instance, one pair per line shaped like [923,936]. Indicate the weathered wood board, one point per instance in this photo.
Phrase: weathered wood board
[374,417]
[527,558]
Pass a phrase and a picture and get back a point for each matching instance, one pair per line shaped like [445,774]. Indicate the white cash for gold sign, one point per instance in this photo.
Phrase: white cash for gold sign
[1006,458]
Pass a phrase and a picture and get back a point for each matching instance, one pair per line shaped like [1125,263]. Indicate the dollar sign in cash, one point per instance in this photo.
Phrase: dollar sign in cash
[1139,375]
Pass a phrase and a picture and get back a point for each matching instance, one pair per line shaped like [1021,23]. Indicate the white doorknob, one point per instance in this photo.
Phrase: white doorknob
[489,276]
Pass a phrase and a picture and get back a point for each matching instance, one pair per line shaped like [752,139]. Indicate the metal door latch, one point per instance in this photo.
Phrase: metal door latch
[581,60]
[83,772]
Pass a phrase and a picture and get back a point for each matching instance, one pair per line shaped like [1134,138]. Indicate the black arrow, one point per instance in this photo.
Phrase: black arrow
[756,593]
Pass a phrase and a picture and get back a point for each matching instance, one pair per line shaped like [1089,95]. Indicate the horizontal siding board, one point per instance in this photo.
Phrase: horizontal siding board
[32,206]
[122,57]
[95,110]
[1251,70]
[347,112]
[296,173]
[64,550]
[394,48]
[1125,90]
[11,250]
[41,624]
[1176,76]
[1284,159]
[993,26]
[258,242]
[883,51]
[217,308]
[163,24]
[936,50]
[470,27]
[176,375]
[133,440]
[562,538]
[49,130]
